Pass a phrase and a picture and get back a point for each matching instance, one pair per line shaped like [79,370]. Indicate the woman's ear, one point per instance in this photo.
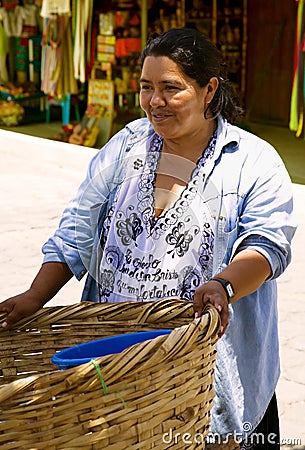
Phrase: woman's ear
[211,89]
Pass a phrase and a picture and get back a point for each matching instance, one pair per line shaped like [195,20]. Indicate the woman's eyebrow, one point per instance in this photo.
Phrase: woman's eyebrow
[168,81]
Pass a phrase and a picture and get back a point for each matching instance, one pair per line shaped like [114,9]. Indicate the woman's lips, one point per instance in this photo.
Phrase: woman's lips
[159,117]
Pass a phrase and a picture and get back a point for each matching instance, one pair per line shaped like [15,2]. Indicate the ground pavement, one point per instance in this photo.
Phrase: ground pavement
[39,176]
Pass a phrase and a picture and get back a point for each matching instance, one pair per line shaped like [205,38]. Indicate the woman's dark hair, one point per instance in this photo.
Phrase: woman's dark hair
[199,59]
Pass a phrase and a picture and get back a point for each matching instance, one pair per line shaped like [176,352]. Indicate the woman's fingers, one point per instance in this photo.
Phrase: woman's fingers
[212,292]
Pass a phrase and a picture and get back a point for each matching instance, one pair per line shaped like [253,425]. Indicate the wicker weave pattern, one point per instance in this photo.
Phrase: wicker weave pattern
[27,349]
[164,385]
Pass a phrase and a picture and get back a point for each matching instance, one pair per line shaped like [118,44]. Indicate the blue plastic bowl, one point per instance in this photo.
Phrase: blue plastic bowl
[82,353]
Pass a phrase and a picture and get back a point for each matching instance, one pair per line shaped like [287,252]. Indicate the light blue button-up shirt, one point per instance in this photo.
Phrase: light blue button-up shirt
[250,197]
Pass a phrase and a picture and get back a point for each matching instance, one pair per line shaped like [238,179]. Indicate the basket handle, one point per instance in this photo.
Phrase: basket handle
[159,311]
[132,360]
[154,351]
[167,308]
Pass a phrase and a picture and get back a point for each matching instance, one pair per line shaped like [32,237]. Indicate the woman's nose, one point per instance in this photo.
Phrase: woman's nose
[157,98]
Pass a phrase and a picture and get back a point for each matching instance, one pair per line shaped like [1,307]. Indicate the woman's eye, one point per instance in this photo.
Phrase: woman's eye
[145,87]
[171,88]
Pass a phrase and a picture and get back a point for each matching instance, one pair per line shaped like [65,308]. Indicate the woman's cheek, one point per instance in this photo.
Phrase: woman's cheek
[144,100]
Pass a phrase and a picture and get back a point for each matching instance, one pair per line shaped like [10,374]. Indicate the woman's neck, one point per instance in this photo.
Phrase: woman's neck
[192,147]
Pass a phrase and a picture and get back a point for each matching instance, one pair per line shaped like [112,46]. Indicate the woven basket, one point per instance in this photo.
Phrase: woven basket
[152,395]
[27,348]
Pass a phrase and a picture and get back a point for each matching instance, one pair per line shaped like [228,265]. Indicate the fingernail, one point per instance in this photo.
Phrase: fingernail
[4,324]
[219,308]
[196,315]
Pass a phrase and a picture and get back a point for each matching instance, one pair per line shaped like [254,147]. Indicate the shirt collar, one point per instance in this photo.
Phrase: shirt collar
[228,136]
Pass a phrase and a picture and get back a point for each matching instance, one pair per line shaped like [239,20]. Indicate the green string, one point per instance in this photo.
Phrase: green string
[98,369]
[104,385]
[121,398]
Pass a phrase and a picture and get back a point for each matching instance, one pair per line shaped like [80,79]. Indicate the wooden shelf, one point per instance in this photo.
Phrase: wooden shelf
[232,42]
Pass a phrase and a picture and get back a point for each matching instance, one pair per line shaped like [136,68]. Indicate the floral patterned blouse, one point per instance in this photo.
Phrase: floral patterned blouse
[147,257]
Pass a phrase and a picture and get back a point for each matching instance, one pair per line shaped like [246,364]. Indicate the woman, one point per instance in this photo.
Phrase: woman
[185,204]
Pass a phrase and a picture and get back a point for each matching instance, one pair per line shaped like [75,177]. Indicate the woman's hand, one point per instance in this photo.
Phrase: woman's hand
[247,272]
[18,307]
[51,277]
[214,293]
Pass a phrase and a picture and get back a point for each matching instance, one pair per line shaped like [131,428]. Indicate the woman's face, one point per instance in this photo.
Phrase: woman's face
[173,102]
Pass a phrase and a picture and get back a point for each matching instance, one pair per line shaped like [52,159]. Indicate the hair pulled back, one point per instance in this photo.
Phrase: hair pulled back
[199,59]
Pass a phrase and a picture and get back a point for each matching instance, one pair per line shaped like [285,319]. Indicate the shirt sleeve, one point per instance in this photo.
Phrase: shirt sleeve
[75,240]
[277,261]
[266,219]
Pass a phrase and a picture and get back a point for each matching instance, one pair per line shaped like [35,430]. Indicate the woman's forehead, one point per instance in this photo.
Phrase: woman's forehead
[163,67]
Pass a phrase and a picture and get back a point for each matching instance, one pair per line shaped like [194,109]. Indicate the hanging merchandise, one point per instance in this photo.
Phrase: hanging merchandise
[30,27]
[4,48]
[128,39]
[34,55]
[12,21]
[297,104]
[50,7]
[105,46]
[57,77]
[82,25]
[10,4]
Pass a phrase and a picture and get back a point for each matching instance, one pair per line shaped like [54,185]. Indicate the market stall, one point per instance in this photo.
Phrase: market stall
[52,50]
